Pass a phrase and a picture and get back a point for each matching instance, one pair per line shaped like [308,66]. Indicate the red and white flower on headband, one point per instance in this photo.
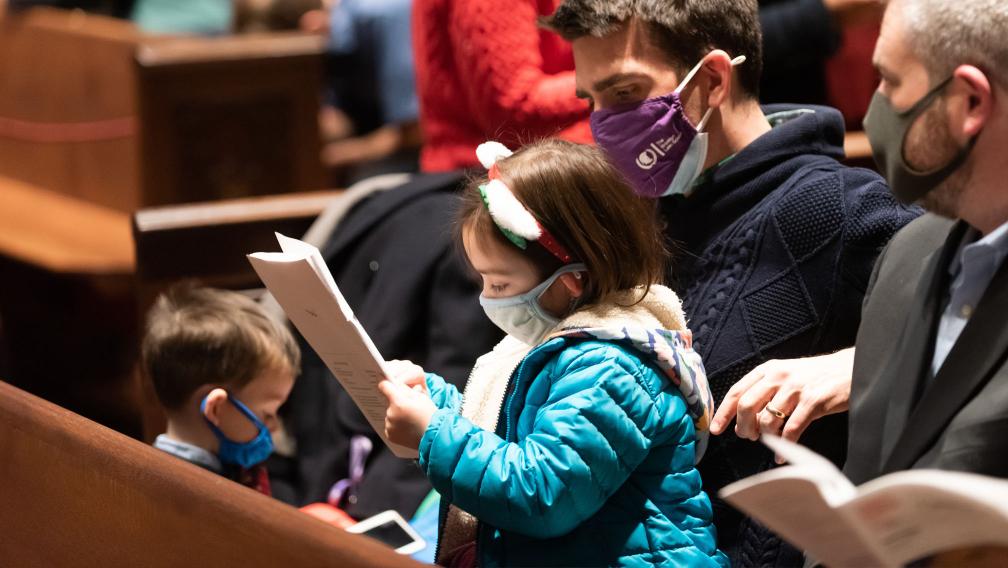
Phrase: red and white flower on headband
[513,219]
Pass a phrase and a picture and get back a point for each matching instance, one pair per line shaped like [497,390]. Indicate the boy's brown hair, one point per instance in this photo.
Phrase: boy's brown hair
[579,197]
[197,336]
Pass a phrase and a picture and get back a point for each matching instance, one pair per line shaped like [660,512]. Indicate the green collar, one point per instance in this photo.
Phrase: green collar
[706,175]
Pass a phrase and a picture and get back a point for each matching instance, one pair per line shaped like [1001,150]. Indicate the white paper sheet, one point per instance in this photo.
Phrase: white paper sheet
[302,284]
[889,521]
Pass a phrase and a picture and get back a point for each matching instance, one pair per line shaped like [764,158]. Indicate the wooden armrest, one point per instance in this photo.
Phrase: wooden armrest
[209,241]
[62,234]
[171,51]
[79,494]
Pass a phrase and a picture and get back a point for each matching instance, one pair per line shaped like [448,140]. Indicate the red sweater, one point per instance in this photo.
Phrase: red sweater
[485,70]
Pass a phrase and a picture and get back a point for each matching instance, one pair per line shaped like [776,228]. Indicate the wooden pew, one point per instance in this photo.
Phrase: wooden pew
[78,494]
[63,234]
[93,108]
[209,241]
[68,105]
[113,120]
[228,117]
[97,120]
[65,296]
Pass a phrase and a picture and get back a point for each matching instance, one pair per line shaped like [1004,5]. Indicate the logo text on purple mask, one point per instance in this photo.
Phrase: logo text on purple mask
[649,157]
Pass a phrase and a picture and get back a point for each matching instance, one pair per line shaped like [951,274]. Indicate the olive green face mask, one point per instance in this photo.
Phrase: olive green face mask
[887,130]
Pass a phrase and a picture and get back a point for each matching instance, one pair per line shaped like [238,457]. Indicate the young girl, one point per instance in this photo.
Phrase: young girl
[575,441]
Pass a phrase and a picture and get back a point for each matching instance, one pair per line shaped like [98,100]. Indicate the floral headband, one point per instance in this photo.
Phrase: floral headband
[513,219]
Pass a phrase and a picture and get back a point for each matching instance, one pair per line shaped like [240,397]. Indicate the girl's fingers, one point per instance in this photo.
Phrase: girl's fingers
[387,388]
[415,380]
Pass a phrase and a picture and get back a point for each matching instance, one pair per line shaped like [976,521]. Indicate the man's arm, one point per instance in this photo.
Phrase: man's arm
[785,396]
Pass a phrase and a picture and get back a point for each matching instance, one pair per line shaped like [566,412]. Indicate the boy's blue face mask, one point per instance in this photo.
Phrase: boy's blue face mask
[244,454]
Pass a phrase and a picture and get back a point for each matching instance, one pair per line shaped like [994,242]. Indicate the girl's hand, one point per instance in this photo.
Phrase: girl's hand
[409,413]
[407,373]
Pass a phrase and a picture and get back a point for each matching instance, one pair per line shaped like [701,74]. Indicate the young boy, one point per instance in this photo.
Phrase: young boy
[221,367]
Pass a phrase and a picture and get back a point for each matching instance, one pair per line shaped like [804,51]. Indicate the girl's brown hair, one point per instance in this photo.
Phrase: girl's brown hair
[579,197]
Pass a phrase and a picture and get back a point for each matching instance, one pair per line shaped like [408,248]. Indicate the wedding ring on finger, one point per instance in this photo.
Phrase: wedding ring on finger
[775,412]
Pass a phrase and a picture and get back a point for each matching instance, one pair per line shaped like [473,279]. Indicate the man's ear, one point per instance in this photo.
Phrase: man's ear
[978,95]
[574,282]
[717,68]
[215,401]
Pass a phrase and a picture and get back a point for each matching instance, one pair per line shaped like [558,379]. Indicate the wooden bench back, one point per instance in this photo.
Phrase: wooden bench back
[93,108]
[75,493]
[68,105]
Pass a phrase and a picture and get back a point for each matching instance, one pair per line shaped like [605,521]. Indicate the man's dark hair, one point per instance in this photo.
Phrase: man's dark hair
[197,336]
[684,29]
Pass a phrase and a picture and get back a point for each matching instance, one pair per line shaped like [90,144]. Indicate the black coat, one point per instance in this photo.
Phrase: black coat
[395,260]
[775,250]
[798,38]
[957,421]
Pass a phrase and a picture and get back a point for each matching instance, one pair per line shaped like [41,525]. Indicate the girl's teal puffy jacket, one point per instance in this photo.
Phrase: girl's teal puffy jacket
[592,463]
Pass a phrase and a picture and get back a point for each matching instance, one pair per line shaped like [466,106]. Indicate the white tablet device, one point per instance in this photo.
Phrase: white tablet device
[391,529]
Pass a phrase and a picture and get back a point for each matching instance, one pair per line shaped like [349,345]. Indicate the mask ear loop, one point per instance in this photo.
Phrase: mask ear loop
[689,77]
[703,121]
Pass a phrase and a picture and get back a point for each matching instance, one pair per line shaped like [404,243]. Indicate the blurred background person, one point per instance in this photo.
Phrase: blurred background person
[799,36]
[370,119]
[819,52]
[486,70]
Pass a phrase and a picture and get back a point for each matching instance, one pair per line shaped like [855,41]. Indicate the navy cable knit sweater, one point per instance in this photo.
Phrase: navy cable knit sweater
[773,253]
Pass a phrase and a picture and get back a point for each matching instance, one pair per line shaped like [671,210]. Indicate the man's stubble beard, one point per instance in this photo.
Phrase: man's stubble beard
[929,151]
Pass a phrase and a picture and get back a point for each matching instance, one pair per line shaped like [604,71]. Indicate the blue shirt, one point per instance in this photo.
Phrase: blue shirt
[380,31]
[188,452]
[971,271]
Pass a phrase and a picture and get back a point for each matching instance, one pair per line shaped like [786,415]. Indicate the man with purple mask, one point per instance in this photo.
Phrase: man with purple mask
[774,239]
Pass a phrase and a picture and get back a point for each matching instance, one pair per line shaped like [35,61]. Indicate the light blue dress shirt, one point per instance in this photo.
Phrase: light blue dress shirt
[188,452]
[971,272]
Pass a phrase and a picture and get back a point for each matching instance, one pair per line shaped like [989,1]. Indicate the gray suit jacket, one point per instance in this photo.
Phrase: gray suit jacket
[959,421]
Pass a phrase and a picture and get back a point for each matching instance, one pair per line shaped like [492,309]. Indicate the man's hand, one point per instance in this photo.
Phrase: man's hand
[785,396]
[409,413]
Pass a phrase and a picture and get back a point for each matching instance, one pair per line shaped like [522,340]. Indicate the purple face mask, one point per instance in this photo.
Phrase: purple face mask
[653,143]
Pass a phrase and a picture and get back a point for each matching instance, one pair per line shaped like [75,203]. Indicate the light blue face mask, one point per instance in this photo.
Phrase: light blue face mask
[522,316]
[244,454]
